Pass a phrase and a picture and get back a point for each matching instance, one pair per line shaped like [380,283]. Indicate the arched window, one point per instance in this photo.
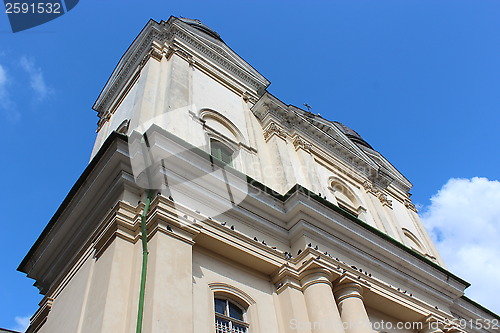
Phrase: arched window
[414,242]
[221,152]
[344,196]
[229,317]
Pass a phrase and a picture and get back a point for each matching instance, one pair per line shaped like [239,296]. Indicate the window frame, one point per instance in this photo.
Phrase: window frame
[214,142]
[227,317]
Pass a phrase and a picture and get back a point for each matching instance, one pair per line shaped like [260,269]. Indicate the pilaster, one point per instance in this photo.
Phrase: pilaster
[292,304]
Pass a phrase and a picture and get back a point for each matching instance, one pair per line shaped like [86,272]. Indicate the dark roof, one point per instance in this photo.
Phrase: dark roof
[351,134]
[201,27]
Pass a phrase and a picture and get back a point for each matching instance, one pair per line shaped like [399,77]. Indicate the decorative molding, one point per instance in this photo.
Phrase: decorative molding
[227,289]
[372,189]
[300,143]
[321,135]
[185,55]
[324,134]
[410,205]
[147,45]
[156,52]
[222,61]
[128,64]
[247,97]
[315,275]
[40,316]
[274,129]
[286,277]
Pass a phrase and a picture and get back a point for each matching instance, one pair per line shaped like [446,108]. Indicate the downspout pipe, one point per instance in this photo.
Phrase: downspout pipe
[144,238]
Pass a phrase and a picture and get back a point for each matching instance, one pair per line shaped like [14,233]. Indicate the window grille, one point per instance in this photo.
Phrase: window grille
[229,317]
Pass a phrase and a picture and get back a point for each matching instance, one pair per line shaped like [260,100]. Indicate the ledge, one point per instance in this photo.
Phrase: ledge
[23,267]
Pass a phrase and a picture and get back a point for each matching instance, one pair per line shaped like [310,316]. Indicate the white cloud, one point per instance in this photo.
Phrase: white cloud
[3,77]
[7,106]
[37,82]
[22,323]
[464,220]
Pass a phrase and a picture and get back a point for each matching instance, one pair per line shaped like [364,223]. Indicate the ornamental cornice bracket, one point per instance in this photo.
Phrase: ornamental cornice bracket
[157,51]
[380,178]
[248,97]
[184,55]
[384,200]
[410,205]
[370,187]
[374,190]
[300,143]
[273,129]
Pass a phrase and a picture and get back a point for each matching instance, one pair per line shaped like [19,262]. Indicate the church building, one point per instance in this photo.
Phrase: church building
[211,206]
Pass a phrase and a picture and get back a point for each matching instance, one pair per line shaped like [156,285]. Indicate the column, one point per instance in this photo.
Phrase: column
[323,313]
[352,309]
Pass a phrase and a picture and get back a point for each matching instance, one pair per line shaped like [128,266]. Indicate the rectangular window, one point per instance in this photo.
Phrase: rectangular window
[221,152]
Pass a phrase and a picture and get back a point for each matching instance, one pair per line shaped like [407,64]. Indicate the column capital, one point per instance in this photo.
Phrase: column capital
[348,292]
[348,286]
[286,277]
[314,276]
[348,289]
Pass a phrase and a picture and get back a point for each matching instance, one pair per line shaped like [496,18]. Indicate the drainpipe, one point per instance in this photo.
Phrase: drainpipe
[144,238]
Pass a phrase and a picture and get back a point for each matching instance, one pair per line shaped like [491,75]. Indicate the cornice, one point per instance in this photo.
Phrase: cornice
[286,123]
[40,316]
[313,266]
[174,33]
[321,133]
[215,52]
[127,64]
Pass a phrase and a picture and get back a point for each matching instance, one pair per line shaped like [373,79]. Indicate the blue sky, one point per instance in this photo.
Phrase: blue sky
[419,80]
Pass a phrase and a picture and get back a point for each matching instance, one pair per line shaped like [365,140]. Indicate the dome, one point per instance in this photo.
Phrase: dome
[201,27]
[352,134]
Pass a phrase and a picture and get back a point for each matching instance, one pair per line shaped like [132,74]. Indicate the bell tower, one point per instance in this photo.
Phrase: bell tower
[209,205]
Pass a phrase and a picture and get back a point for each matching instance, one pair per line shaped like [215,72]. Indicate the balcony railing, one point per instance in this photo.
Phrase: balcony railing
[228,326]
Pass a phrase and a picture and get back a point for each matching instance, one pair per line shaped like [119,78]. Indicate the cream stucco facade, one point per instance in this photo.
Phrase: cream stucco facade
[316,231]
